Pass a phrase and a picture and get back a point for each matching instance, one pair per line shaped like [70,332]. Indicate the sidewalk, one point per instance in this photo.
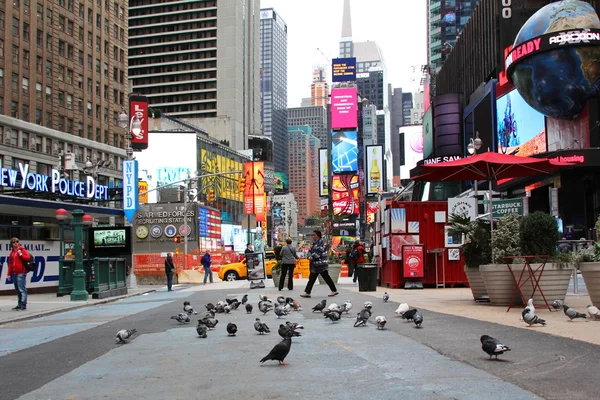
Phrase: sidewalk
[48,303]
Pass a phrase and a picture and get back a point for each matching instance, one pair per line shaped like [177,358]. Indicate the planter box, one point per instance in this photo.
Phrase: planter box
[591,276]
[475,282]
[499,283]
[334,273]
[276,275]
[554,284]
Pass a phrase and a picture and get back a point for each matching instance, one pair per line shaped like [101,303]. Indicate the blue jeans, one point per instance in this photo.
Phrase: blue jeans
[19,282]
[169,281]
[207,273]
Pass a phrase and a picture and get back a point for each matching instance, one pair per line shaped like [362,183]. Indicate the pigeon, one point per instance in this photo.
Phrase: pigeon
[572,313]
[281,300]
[294,326]
[334,307]
[402,308]
[227,309]
[279,352]
[249,308]
[125,334]
[409,315]
[492,346]
[235,305]
[285,331]
[221,303]
[201,329]
[386,297]
[347,306]
[261,327]
[262,297]
[210,323]
[209,306]
[530,307]
[188,308]
[296,305]
[333,315]
[265,306]
[418,319]
[368,305]
[280,311]
[231,329]
[231,301]
[182,318]
[289,300]
[245,299]
[531,319]
[593,312]
[557,304]
[362,318]
[380,321]
[208,314]
[220,308]
[320,306]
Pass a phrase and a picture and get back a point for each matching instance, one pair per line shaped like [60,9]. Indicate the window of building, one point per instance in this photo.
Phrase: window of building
[69,76]
[69,102]
[89,108]
[106,92]
[89,39]
[80,105]
[24,139]
[69,125]
[49,119]
[61,123]
[39,37]
[61,98]
[25,59]
[70,5]
[105,114]
[40,12]
[25,115]
[49,43]
[61,23]
[97,111]
[70,52]
[97,65]
[98,45]
[81,11]
[97,88]
[15,27]
[98,137]
[15,54]
[15,82]
[14,106]
[80,81]
[69,27]
[38,116]
[25,85]
[89,132]
[80,57]
[106,69]
[49,16]
[49,68]
[38,90]
[81,33]
[61,48]
[89,85]
[25,31]
[48,94]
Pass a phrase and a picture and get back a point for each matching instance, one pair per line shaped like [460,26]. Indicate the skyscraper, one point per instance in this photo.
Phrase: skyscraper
[304,150]
[199,61]
[273,63]
[313,116]
[319,88]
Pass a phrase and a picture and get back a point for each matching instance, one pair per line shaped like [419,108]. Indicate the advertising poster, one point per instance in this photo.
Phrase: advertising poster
[345,194]
[138,109]
[344,112]
[323,173]
[398,220]
[282,185]
[397,241]
[521,129]
[413,148]
[46,255]
[224,186]
[143,192]
[374,166]
[413,261]
[254,195]
[428,133]
[256,266]
[343,69]
[344,151]
[371,211]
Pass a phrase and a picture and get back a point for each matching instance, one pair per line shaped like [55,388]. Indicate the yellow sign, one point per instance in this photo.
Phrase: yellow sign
[143,190]
[224,186]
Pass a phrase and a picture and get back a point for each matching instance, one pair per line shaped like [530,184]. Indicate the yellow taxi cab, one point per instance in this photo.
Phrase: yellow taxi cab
[238,270]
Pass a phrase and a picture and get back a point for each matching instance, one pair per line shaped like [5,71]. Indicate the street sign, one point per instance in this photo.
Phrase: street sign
[130,188]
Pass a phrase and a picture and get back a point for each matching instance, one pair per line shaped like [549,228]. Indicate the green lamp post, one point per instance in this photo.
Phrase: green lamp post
[79,292]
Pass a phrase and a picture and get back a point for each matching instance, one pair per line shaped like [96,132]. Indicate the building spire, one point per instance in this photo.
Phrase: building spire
[346,21]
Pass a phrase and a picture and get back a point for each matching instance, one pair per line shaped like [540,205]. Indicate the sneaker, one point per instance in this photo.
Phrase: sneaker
[17,308]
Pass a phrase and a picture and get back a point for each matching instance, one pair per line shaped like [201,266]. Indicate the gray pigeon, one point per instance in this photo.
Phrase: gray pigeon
[188,308]
[227,309]
[572,313]
[231,329]
[281,300]
[210,322]
[245,299]
[209,306]
[182,318]
[201,329]
[125,334]
[249,308]
[386,297]
[333,315]
[531,319]
[320,307]
[294,326]
[285,331]
[408,315]
[279,352]
[492,346]
[362,318]
[280,311]
[380,321]
[265,306]
[418,319]
[261,327]
[593,312]
[557,304]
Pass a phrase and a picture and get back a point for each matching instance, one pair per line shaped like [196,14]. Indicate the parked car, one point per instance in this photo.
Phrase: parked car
[238,270]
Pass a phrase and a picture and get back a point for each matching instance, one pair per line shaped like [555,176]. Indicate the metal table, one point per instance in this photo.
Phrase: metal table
[437,252]
[535,275]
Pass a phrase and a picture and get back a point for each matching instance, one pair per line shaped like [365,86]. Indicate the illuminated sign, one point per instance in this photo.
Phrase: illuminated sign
[138,107]
[344,190]
[344,151]
[374,167]
[23,179]
[224,186]
[323,173]
[130,188]
[254,193]
[344,112]
[143,192]
[343,69]
[437,160]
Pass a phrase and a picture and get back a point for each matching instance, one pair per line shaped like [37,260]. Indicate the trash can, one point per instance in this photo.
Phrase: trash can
[367,277]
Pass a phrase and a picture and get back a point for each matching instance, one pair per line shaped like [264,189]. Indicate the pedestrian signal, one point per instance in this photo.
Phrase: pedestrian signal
[211,195]
[241,185]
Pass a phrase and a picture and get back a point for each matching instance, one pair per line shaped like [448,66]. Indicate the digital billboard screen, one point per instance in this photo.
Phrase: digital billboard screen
[343,69]
[413,148]
[374,167]
[109,241]
[281,183]
[344,151]
[344,113]
[521,130]
[323,173]
[344,191]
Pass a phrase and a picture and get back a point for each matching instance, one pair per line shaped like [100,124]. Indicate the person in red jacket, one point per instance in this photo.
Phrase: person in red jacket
[17,271]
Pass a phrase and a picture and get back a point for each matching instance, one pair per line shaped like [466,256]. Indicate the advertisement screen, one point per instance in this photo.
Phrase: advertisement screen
[323,173]
[344,151]
[521,129]
[209,223]
[282,185]
[343,69]
[344,113]
[374,168]
[344,190]
[413,148]
[105,242]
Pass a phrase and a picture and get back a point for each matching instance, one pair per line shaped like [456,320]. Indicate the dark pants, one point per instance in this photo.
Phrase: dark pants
[313,277]
[169,281]
[19,281]
[284,270]
[353,271]
[356,268]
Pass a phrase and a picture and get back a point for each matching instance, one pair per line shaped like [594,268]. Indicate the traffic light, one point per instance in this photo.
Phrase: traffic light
[211,195]
[241,185]
[177,239]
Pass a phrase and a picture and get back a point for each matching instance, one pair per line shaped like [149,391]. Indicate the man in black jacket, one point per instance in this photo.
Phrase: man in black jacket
[169,270]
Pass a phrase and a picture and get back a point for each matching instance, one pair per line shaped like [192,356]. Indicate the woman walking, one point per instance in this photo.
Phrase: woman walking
[318,265]
[288,262]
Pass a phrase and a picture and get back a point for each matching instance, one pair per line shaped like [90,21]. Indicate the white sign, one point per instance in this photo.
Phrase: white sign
[463,206]
[266,14]
[453,254]
[413,148]
[46,264]
[130,188]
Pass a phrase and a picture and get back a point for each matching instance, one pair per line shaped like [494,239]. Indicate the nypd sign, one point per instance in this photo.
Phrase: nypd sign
[130,188]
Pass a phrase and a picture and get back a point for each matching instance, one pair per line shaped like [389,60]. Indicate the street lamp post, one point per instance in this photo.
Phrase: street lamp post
[79,292]
[61,215]
[472,148]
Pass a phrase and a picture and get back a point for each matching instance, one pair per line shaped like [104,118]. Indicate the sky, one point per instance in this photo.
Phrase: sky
[398,27]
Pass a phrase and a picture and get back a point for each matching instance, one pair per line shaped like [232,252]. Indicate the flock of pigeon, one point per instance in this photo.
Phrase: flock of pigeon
[493,347]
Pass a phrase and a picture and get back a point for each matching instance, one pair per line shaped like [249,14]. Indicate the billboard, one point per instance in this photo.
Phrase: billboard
[323,173]
[428,133]
[344,191]
[282,185]
[46,264]
[138,108]
[209,223]
[156,225]
[143,192]
[374,169]
[344,151]
[344,112]
[413,148]
[343,69]
[224,186]
[254,194]
[521,130]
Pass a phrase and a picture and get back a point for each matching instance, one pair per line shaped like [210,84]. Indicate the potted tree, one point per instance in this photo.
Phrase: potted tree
[476,250]
[276,274]
[334,269]
[588,262]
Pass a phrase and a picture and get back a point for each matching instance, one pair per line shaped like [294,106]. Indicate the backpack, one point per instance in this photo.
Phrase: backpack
[29,265]
[354,254]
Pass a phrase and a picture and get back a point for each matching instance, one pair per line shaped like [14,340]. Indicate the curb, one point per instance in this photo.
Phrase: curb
[52,312]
